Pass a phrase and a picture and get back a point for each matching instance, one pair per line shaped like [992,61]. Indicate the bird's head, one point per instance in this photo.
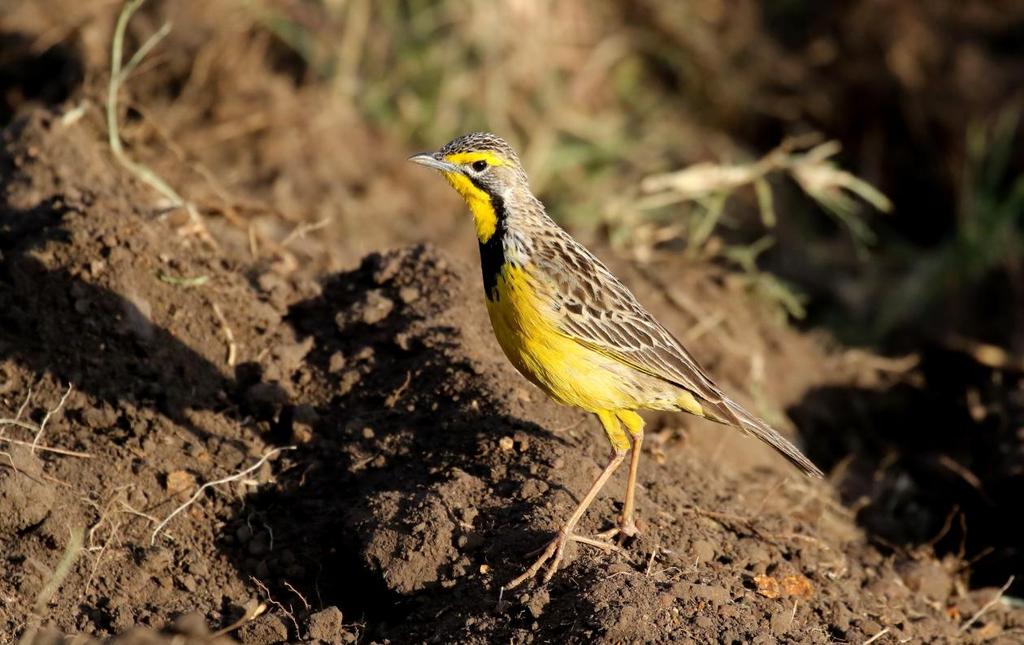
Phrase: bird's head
[485,170]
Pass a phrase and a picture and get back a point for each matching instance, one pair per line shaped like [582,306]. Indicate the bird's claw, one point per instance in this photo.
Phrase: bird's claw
[623,531]
[553,554]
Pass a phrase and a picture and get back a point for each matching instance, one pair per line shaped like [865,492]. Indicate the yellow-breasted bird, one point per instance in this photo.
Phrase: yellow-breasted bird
[569,326]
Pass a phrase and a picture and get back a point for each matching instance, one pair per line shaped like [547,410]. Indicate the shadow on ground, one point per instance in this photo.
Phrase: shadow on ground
[935,462]
[399,489]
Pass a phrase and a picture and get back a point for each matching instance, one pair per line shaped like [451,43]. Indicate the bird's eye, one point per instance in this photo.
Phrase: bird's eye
[480,165]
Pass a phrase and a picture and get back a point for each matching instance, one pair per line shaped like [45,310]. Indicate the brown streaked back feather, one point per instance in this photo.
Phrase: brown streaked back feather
[599,312]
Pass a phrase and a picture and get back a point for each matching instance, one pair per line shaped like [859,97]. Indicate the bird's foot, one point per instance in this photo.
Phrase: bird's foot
[625,530]
[553,553]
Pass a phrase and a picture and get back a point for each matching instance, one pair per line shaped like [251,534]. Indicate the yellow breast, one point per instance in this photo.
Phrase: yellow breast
[523,320]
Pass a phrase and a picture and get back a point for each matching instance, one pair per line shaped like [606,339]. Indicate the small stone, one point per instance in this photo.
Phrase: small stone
[408,294]
[262,630]
[797,585]
[767,586]
[336,363]
[301,433]
[376,308]
[506,444]
[138,316]
[180,483]
[368,433]
[326,625]
[304,418]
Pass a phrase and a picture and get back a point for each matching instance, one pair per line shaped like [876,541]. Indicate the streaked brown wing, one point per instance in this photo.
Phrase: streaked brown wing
[600,312]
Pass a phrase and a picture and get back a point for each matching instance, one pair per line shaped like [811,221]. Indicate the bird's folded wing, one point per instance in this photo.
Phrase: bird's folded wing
[643,344]
[595,309]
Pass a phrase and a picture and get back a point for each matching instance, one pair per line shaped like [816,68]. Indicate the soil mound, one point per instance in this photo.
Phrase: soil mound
[405,471]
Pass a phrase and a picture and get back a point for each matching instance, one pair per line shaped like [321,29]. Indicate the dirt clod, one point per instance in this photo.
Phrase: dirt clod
[327,626]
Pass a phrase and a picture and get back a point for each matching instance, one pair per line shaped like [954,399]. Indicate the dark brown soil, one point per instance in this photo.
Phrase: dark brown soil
[424,472]
[382,470]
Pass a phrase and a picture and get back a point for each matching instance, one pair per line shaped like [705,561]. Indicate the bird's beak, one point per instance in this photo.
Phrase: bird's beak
[431,161]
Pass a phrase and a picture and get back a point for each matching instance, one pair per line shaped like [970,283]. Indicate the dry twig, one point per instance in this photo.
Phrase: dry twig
[46,418]
[218,482]
[229,335]
[989,605]
[876,636]
[16,422]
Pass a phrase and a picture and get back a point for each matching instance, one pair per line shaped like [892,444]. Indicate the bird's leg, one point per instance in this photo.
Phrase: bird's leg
[626,526]
[635,424]
[555,549]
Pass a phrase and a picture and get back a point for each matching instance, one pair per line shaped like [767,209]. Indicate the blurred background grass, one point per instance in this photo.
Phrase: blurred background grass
[859,161]
[918,99]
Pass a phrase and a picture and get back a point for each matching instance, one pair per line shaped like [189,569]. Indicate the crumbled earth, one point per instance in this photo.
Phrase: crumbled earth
[382,470]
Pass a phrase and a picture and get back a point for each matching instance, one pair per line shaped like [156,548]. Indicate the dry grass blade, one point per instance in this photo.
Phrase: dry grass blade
[71,554]
[989,605]
[49,414]
[117,78]
[711,184]
[38,430]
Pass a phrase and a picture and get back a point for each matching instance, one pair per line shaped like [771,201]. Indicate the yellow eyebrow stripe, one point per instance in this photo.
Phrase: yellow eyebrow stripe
[466,158]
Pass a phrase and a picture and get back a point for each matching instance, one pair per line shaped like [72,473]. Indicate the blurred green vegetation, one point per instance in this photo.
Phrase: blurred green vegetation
[671,125]
[588,94]
[988,236]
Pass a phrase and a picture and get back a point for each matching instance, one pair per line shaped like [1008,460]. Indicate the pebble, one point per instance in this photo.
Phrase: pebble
[376,308]
[336,363]
[267,628]
[326,625]
[408,295]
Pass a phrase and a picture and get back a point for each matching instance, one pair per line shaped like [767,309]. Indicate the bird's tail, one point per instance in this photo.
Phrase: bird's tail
[737,415]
